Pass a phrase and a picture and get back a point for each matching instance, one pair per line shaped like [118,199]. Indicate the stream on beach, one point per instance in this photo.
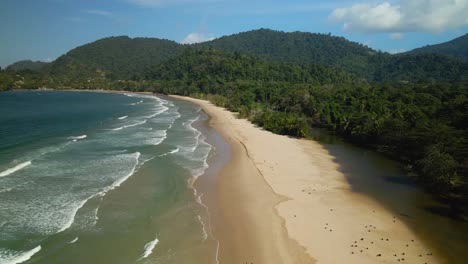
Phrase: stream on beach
[382,179]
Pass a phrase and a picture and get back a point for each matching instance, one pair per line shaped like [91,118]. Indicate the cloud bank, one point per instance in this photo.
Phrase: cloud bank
[196,37]
[403,16]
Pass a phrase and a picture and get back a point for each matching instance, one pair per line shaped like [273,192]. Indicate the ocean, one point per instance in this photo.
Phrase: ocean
[89,177]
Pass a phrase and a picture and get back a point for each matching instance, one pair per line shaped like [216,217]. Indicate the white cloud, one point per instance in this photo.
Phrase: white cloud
[403,16]
[98,12]
[396,36]
[196,37]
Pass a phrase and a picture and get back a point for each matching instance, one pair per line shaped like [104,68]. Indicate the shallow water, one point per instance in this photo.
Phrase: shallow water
[101,178]
[378,177]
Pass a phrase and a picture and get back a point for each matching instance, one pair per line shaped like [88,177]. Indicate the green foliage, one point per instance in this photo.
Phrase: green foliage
[208,66]
[34,66]
[327,50]
[124,58]
[114,58]
[457,48]
[438,166]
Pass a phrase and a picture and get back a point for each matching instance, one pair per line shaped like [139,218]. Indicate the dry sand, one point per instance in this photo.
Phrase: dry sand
[283,200]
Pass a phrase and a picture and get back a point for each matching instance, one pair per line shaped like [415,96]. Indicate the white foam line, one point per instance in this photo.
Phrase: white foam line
[170,152]
[113,186]
[132,125]
[149,249]
[74,240]
[23,257]
[78,137]
[198,173]
[158,112]
[199,200]
[15,169]
[205,234]
[122,117]
[121,180]
[96,217]
[72,217]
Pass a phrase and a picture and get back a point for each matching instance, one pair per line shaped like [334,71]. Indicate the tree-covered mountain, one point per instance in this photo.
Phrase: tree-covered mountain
[114,57]
[126,59]
[298,47]
[27,65]
[355,58]
[457,48]
[211,65]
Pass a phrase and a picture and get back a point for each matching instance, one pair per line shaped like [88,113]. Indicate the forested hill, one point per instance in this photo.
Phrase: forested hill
[324,49]
[298,47]
[124,58]
[456,48]
[114,58]
[27,65]
[215,66]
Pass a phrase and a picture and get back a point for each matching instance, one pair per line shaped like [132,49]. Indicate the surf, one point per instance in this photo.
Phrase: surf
[15,169]
[25,256]
[149,247]
[131,125]
[74,139]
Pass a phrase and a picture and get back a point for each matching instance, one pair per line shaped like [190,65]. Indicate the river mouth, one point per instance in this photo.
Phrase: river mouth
[383,180]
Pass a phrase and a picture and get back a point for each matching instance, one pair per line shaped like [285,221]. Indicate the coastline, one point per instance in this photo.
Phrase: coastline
[284,200]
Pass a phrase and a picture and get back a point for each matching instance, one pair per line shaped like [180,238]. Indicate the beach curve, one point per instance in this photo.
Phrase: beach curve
[319,213]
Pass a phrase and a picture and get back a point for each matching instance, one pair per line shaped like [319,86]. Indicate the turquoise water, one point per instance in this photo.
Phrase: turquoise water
[101,178]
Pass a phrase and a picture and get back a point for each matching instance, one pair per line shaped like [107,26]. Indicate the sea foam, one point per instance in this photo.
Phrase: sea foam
[78,138]
[158,112]
[116,184]
[15,169]
[19,258]
[149,249]
[132,125]
[170,152]
[122,117]
[71,219]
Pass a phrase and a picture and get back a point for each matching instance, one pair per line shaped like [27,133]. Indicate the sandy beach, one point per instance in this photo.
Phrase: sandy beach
[284,200]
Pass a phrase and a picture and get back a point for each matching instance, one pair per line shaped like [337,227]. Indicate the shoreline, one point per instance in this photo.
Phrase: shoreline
[283,200]
[275,207]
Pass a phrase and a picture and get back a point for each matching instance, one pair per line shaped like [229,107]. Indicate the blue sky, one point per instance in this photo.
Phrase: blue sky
[45,29]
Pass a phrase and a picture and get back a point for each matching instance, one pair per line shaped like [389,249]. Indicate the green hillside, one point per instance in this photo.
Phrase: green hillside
[123,58]
[457,48]
[114,57]
[355,58]
[27,65]
[298,47]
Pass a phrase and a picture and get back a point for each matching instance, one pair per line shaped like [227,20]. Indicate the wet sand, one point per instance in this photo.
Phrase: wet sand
[284,200]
